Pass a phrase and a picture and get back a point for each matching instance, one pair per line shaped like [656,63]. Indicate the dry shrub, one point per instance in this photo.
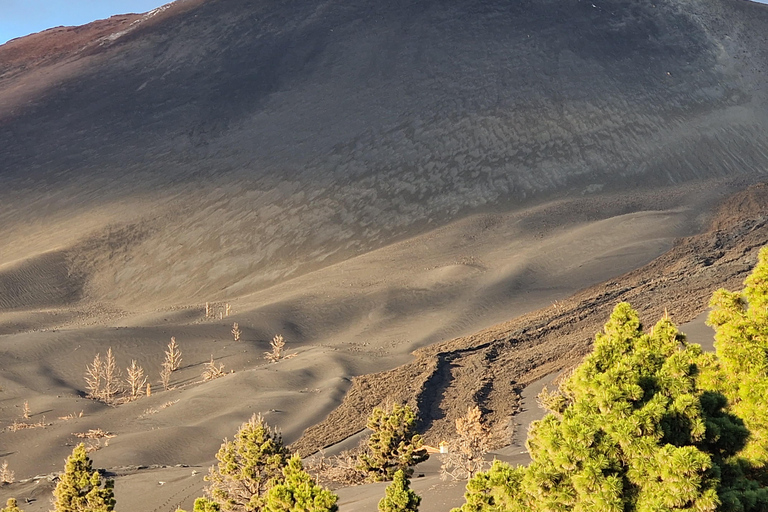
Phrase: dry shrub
[22,425]
[136,380]
[103,379]
[337,470]
[465,453]
[94,433]
[26,412]
[212,371]
[153,410]
[236,332]
[6,475]
[277,352]
[71,416]
[170,364]
[93,376]
[92,445]
[173,355]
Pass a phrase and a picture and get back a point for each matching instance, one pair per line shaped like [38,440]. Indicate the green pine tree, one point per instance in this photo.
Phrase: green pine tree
[204,505]
[496,490]
[298,492]
[399,497]
[80,488]
[740,321]
[247,467]
[640,426]
[393,445]
[11,506]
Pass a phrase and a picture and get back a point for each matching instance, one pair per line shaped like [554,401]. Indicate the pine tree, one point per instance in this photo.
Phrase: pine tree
[298,492]
[741,342]
[393,445]
[247,467]
[11,506]
[80,488]
[496,490]
[637,427]
[206,505]
[399,497]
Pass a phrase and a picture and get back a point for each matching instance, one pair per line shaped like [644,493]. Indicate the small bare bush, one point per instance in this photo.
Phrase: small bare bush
[22,425]
[153,410]
[6,475]
[337,470]
[278,345]
[26,412]
[212,371]
[170,364]
[165,376]
[112,379]
[136,380]
[236,332]
[71,416]
[94,433]
[92,445]
[173,355]
[465,453]
[93,376]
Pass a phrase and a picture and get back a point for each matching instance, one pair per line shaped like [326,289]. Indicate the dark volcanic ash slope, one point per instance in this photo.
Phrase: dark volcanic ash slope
[272,137]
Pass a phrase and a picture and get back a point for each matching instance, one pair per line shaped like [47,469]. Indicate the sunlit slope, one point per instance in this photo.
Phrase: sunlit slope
[249,142]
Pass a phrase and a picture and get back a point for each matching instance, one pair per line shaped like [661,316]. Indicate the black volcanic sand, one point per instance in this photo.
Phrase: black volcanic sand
[379,183]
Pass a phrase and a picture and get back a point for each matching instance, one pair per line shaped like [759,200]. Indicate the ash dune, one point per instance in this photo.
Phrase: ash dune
[369,180]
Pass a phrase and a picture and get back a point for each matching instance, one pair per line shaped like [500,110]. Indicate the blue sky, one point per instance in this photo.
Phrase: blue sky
[21,17]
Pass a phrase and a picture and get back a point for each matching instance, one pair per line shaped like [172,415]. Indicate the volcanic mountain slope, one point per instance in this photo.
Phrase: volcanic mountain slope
[365,178]
[273,138]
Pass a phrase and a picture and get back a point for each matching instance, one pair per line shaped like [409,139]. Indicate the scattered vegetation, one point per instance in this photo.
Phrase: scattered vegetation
[71,416]
[277,344]
[136,381]
[23,425]
[399,497]
[650,422]
[173,355]
[81,488]
[394,444]
[103,379]
[212,371]
[153,410]
[6,475]
[170,364]
[220,311]
[94,433]
[236,332]
[465,453]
